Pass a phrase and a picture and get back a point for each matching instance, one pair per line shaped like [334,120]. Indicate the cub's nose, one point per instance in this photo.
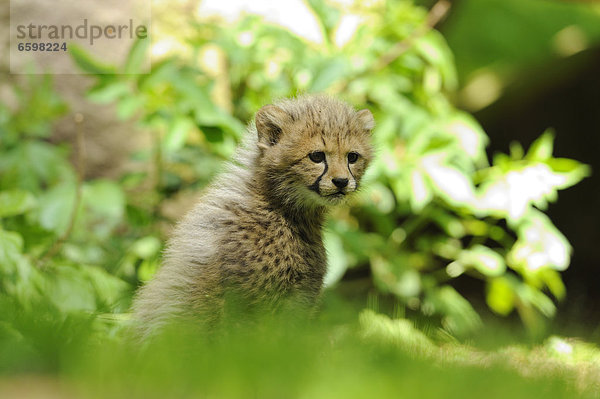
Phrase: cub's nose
[339,182]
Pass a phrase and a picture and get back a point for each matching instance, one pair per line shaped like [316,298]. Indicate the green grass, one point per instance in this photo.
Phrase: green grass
[374,356]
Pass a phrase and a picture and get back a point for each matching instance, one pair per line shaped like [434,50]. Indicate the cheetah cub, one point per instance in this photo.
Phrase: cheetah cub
[253,242]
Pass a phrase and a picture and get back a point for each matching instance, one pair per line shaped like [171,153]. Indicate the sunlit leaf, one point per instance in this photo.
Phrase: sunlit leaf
[15,202]
[539,245]
[177,134]
[421,194]
[336,259]
[450,183]
[554,282]
[573,171]
[500,296]
[484,260]
[512,194]
[137,55]
[541,148]
[146,247]
[147,269]
[471,137]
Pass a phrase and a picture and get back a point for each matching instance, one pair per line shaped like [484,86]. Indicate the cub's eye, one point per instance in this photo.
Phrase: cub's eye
[352,157]
[317,156]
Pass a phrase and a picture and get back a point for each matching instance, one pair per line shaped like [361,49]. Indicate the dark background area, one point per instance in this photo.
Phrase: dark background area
[541,91]
[570,106]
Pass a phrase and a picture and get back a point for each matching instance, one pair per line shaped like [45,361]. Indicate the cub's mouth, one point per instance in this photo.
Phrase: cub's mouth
[336,197]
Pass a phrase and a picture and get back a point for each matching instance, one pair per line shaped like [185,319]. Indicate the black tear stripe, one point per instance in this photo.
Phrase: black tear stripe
[352,174]
[315,186]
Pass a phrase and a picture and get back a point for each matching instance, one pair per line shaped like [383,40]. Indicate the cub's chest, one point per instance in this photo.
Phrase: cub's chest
[282,247]
[273,254]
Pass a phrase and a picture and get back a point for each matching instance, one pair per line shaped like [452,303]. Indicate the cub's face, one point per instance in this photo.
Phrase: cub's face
[314,150]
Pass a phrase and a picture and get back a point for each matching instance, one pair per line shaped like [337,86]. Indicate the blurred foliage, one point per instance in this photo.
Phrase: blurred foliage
[483,33]
[381,357]
[433,209]
[56,247]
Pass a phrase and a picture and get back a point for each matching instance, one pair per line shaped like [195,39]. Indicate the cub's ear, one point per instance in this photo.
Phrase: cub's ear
[270,121]
[365,118]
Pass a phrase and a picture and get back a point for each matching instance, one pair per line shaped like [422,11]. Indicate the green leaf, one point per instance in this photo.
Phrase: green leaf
[15,202]
[382,197]
[541,149]
[334,70]
[396,276]
[500,296]
[194,94]
[34,165]
[449,182]
[516,151]
[512,193]
[539,245]
[137,55]
[70,290]
[485,260]
[470,136]
[537,298]
[434,49]
[420,191]
[459,317]
[213,134]
[18,278]
[146,247]
[336,259]
[87,63]
[452,225]
[177,134]
[109,290]
[105,93]
[56,207]
[554,282]
[11,245]
[572,170]
[104,202]
[408,284]
[327,15]
[128,106]
[147,269]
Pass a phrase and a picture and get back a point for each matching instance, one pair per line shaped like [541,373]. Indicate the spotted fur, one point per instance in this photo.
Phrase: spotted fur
[254,238]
